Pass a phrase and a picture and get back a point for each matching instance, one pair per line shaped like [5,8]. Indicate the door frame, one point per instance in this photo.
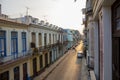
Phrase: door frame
[115,41]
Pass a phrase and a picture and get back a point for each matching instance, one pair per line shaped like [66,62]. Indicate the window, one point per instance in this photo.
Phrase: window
[53,38]
[33,45]
[40,39]
[45,39]
[2,44]
[14,43]
[23,41]
[33,37]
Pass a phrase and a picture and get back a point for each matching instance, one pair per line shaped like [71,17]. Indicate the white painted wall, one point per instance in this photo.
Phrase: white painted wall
[37,40]
[8,39]
[90,25]
[107,40]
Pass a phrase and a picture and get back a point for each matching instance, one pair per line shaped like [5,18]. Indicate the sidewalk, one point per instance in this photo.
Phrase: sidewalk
[50,68]
[84,70]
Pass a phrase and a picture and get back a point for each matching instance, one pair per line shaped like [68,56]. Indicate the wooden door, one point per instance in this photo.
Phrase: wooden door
[34,67]
[25,75]
[16,73]
[50,57]
[46,60]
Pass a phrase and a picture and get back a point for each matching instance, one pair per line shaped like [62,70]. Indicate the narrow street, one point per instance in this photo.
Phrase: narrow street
[69,68]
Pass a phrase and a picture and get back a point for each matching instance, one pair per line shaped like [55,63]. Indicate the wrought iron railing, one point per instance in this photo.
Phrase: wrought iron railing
[15,56]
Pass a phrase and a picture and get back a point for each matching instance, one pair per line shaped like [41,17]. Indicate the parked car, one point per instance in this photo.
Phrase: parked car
[79,54]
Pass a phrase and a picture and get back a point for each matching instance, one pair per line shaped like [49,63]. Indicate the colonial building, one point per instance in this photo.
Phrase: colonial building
[102,34]
[26,49]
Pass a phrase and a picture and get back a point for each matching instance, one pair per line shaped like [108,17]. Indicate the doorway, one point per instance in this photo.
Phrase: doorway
[46,59]
[34,67]
[25,75]
[116,40]
[16,73]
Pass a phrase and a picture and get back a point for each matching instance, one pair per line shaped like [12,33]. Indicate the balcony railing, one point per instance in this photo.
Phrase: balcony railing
[42,48]
[47,47]
[15,56]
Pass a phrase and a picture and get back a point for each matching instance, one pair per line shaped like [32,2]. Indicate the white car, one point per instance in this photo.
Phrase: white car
[79,54]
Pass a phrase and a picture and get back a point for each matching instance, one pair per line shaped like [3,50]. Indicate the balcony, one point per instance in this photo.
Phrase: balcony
[89,7]
[15,57]
[43,48]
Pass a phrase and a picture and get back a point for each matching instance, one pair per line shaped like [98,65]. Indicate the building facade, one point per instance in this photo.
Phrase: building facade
[26,49]
[102,35]
[73,37]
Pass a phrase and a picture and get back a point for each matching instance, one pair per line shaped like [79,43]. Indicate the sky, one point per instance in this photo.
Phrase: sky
[62,13]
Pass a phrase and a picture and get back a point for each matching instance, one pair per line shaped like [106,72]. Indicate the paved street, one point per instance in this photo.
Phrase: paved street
[68,69]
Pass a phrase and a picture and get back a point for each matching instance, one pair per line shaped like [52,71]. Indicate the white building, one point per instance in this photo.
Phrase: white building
[102,26]
[26,49]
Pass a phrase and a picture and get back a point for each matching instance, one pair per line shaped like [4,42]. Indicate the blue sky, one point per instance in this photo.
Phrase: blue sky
[63,13]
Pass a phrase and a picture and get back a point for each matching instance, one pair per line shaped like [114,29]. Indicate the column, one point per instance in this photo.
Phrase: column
[107,46]
[89,45]
[60,37]
[96,50]
[21,71]
[28,40]
[37,41]
[30,68]
[53,38]
[48,57]
[11,74]
[90,33]
[8,42]
[19,41]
